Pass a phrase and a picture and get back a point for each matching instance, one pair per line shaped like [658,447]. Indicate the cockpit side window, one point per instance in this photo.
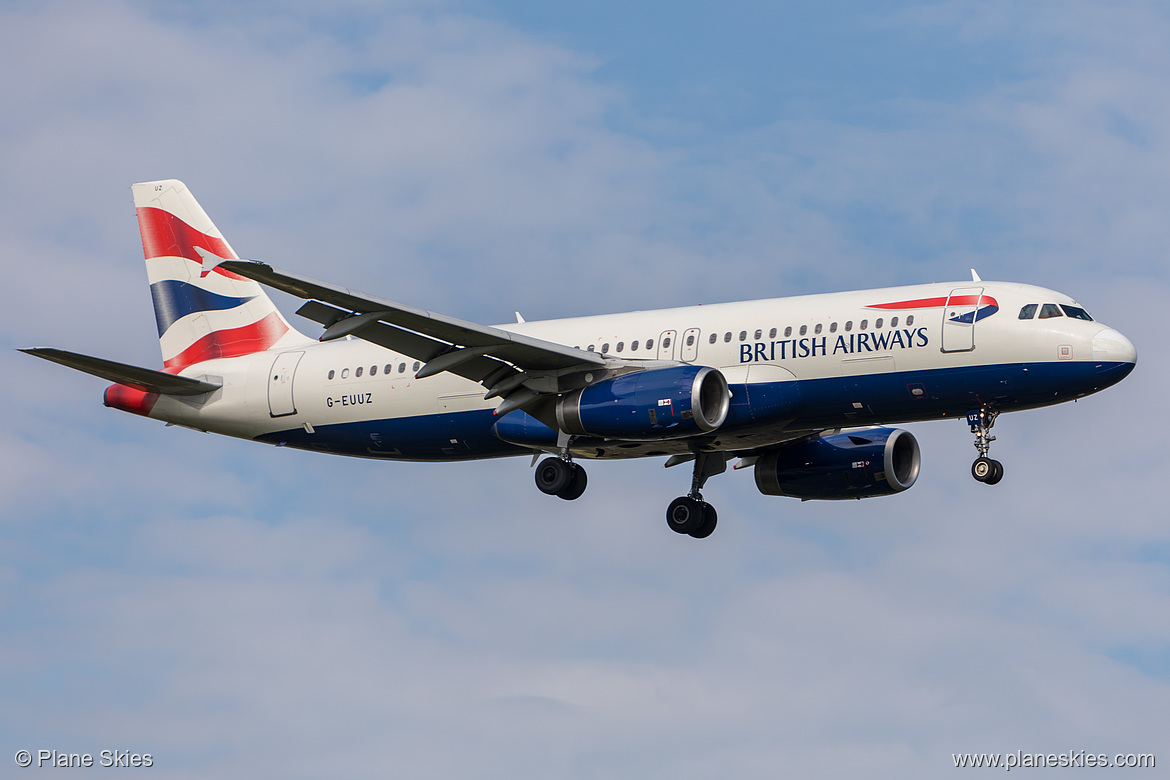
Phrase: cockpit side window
[1050,310]
[1029,311]
[1076,312]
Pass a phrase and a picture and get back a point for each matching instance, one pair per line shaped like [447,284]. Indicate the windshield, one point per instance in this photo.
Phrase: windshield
[1076,312]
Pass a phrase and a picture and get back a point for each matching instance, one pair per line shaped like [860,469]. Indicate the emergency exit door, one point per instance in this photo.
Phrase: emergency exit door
[666,345]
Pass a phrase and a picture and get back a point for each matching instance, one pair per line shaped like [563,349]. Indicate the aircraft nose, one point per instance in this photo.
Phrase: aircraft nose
[1109,346]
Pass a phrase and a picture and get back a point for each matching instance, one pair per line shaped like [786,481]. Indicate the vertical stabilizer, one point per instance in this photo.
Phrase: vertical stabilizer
[200,316]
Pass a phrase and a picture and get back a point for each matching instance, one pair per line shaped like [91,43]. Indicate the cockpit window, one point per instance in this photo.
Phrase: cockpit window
[1076,312]
[1029,311]
[1050,310]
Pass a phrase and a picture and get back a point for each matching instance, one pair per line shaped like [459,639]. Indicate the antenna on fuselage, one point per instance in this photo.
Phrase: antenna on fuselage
[975,276]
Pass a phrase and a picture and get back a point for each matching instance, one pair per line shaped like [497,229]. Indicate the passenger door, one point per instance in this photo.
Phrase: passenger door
[958,325]
[280,384]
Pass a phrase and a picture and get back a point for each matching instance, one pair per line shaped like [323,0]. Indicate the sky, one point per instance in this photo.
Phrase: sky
[238,610]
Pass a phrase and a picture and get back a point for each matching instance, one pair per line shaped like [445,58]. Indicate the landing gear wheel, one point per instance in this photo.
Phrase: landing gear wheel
[576,486]
[987,471]
[554,475]
[685,515]
[710,519]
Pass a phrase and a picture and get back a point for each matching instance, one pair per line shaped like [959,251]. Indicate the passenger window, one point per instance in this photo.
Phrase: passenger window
[788,331]
[817,329]
[373,370]
[605,348]
[417,366]
[402,368]
[590,348]
[331,373]
[1076,312]
[649,343]
[714,338]
[633,346]
[345,373]
[909,320]
[358,372]
[666,343]
[759,334]
[848,325]
[772,333]
[727,336]
[803,329]
[894,322]
[743,335]
[878,323]
[864,324]
[1050,310]
[387,368]
[691,340]
[1029,311]
[833,328]
[621,345]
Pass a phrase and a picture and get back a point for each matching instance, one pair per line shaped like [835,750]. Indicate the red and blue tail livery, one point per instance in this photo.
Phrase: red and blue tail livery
[803,392]
[200,316]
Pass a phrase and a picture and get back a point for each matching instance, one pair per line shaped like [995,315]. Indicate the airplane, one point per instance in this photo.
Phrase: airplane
[803,390]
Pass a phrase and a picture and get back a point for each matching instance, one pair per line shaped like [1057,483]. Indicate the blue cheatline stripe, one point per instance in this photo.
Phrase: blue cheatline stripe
[174,300]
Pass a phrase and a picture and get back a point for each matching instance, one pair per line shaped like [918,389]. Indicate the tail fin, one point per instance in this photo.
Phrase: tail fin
[199,316]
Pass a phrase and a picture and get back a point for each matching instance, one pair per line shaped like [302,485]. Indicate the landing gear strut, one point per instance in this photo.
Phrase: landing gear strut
[984,469]
[690,514]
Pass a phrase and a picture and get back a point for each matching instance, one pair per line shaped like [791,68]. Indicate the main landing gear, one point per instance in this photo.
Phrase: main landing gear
[561,477]
[690,514]
[984,469]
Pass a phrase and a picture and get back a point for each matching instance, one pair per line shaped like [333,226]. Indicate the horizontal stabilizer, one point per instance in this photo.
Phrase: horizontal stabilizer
[145,379]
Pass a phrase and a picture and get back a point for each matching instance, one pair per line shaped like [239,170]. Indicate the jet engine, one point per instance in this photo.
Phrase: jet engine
[854,464]
[660,403]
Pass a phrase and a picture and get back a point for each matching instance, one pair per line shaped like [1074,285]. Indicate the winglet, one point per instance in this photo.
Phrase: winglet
[975,276]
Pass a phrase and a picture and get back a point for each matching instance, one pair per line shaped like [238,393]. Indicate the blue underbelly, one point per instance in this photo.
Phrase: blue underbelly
[897,397]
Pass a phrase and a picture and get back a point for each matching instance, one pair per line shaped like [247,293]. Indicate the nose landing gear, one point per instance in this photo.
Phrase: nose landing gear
[984,469]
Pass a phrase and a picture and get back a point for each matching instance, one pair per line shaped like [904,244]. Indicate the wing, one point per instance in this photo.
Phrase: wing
[521,369]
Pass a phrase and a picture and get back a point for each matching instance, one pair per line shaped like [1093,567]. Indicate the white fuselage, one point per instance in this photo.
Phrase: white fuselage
[828,343]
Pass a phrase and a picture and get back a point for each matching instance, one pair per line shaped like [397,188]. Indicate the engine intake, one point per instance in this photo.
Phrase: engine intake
[660,403]
[858,464]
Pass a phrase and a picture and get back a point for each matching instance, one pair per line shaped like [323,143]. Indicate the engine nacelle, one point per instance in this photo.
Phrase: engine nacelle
[860,464]
[660,403]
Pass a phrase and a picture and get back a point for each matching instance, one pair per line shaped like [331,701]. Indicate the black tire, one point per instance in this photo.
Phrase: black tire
[576,485]
[684,515]
[996,473]
[553,475]
[983,469]
[710,520]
